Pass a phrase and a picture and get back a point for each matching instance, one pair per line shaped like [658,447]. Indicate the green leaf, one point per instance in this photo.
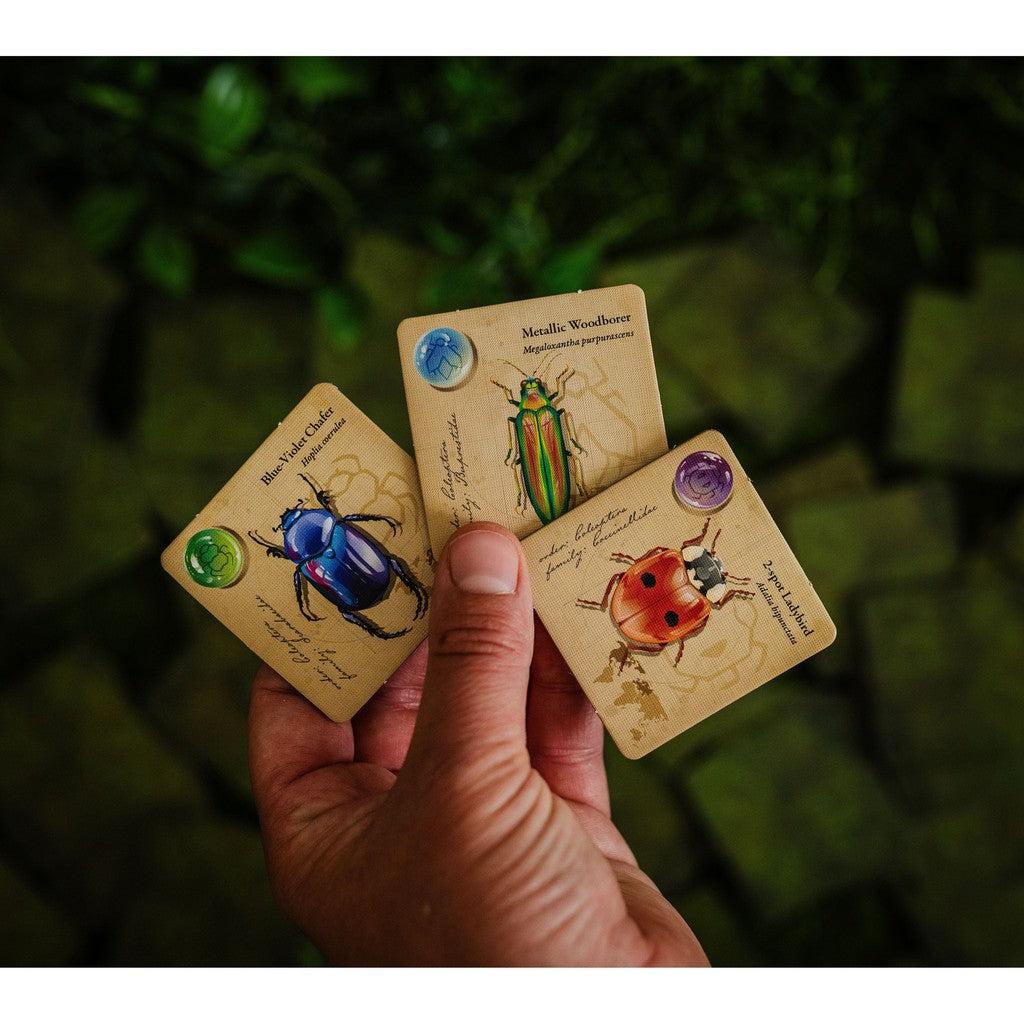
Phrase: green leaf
[474,282]
[277,257]
[145,72]
[103,216]
[231,113]
[315,79]
[110,98]
[165,257]
[569,270]
[341,318]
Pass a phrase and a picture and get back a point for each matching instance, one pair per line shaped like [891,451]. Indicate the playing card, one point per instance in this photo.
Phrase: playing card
[315,553]
[522,410]
[673,593]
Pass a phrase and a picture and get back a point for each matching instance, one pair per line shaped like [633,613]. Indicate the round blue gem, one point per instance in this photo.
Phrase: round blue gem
[443,357]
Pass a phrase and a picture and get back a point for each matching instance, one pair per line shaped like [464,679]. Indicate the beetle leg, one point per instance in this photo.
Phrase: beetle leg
[321,496]
[699,629]
[619,556]
[272,549]
[700,537]
[577,474]
[635,647]
[303,598]
[734,593]
[570,430]
[736,579]
[371,627]
[582,602]
[508,392]
[366,517]
[520,494]
[577,469]
[714,540]
[622,656]
[511,440]
[509,461]
[402,571]
[560,381]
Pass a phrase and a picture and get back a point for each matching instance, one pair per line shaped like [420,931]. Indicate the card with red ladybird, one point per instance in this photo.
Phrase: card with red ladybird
[672,593]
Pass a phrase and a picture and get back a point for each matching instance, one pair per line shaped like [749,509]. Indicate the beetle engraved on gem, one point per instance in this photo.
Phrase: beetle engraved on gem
[444,358]
[666,596]
[538,437]
[341,562]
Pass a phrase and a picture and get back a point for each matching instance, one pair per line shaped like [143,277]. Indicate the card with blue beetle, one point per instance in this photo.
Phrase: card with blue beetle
[338,559]
[315,553]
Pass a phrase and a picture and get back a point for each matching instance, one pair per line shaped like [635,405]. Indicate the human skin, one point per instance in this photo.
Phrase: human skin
[462,818]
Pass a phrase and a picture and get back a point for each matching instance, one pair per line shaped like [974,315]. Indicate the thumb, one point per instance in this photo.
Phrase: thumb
[480,648]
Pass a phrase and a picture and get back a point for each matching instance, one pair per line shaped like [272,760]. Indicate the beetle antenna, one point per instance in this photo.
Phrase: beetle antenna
[514,367]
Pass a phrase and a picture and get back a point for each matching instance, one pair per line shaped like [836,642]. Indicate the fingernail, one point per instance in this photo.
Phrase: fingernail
[482,562]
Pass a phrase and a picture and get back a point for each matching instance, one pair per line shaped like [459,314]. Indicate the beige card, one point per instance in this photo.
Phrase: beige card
[673,593]
[315,554]
[522,410]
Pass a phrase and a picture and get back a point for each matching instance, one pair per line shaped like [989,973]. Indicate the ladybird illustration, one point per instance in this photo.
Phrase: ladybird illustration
[666,596]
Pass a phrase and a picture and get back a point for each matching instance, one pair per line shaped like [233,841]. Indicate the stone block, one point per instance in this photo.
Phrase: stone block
[204,900]
[944,664]
[651,819]
[34,933]
[796,814]
[84,774]
[958,384]
[853,544]
[761,339]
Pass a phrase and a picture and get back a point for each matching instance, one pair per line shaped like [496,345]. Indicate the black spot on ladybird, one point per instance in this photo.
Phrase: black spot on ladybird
[647,579]
[671,619]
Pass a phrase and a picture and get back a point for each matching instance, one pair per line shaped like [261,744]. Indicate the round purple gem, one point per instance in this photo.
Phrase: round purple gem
[703,481]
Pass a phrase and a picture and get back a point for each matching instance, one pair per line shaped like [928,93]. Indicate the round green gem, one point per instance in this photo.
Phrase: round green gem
[214,557]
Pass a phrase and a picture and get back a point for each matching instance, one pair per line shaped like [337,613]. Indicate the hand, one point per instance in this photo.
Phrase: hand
[467,827]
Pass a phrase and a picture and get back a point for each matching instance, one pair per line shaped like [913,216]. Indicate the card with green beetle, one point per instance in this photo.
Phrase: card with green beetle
[522,410]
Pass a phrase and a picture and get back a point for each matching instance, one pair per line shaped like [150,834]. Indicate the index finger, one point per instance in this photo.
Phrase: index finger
[289,738]
[564,734]
[383,728]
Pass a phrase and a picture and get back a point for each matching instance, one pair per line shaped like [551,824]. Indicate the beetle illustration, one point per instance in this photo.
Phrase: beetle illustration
[666,596]
[341,562]
[537,437]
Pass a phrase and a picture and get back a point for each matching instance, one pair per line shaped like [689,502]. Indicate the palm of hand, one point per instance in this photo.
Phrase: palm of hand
[482,853]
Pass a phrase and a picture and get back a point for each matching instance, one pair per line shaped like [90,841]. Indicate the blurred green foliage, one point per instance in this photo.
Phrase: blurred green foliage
[833,254]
